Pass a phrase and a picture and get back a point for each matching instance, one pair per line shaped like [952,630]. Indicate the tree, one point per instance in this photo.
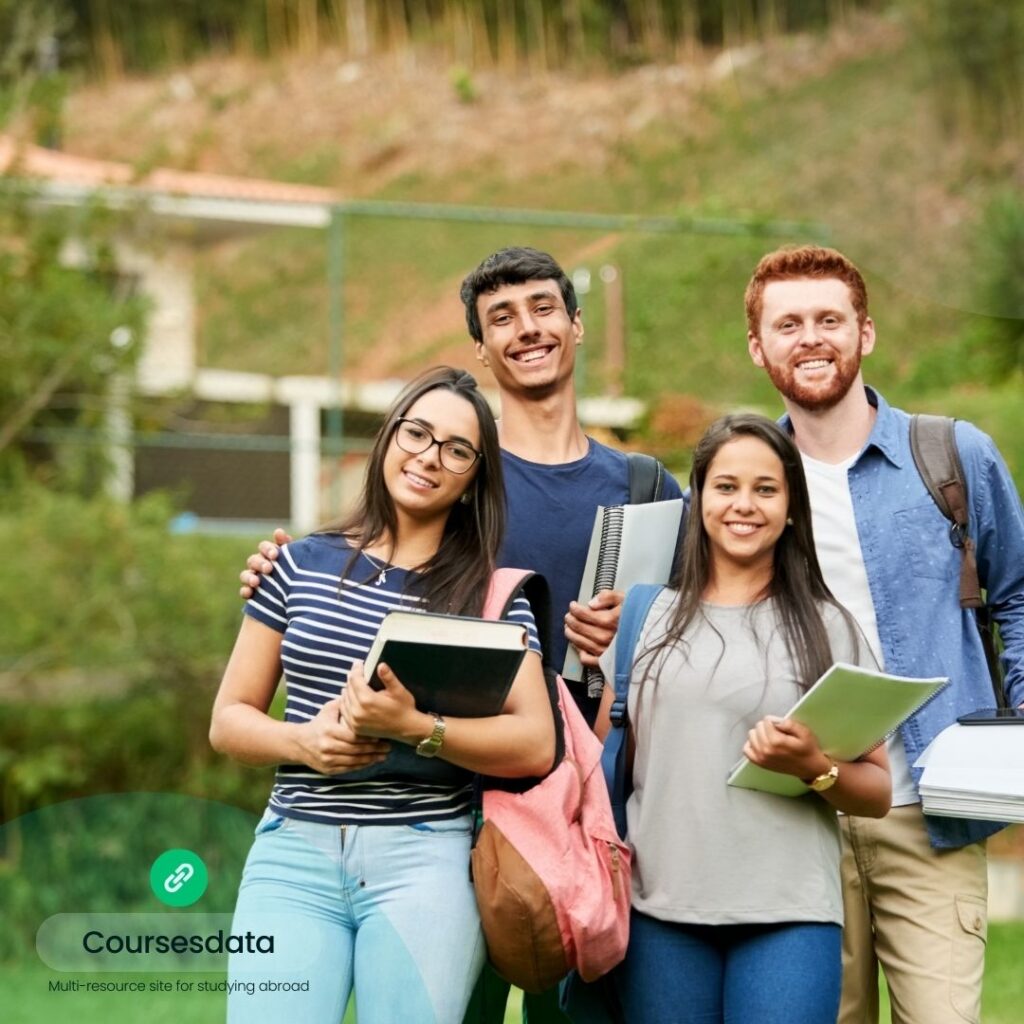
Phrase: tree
[62,326]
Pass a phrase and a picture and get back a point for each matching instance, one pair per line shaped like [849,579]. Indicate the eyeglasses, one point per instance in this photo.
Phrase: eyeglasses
[456,456]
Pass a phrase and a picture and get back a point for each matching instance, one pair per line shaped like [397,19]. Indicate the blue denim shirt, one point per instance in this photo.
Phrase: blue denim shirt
[914,570]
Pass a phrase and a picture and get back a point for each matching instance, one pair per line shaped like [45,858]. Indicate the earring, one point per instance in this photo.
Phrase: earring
[466,498]
[789,522]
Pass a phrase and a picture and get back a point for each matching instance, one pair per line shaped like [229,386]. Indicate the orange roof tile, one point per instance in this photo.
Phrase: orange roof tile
[29,161]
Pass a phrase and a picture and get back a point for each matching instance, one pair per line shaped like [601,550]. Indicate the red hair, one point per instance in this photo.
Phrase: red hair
[803,261]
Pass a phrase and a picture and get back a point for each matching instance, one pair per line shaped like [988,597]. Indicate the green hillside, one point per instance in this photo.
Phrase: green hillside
[848,127]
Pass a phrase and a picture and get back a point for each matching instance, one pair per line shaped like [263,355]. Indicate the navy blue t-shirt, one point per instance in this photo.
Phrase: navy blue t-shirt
[551,517]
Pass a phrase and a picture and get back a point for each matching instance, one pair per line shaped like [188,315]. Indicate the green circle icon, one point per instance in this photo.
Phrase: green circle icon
[178,878]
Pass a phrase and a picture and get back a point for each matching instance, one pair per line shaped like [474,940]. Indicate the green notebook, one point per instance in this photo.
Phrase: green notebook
[850,710]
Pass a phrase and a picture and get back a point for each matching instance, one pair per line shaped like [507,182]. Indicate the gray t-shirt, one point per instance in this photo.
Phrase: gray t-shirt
[705,852]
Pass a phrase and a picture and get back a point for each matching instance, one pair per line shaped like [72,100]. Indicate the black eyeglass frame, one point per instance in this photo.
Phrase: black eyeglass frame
[397,431]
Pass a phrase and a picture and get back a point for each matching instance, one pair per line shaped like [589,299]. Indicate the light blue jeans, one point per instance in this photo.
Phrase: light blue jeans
[389,909]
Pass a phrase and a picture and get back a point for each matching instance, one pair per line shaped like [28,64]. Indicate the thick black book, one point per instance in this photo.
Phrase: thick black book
[451,664]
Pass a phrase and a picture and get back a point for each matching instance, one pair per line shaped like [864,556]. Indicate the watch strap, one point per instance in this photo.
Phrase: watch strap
[429,746]
[826,780]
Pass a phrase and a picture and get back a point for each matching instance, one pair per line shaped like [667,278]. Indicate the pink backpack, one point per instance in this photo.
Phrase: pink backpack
[552,877]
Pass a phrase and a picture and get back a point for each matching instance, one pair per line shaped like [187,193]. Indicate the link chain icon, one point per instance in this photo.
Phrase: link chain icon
[178,878]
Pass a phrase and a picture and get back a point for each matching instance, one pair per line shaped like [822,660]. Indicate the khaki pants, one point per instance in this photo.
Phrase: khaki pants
[919,912]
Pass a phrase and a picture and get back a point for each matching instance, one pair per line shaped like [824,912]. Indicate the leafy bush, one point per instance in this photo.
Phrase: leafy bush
[115,636]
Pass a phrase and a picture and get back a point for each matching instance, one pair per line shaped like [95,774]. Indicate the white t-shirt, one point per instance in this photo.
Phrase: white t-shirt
[842,565]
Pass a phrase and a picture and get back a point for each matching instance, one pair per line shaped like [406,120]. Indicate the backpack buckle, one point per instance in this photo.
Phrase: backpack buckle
[957,534]
[617,714]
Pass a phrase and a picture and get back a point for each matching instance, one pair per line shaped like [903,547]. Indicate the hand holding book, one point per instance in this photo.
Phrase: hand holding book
[629,544]
[786,746]
[850,710]
[386,712]
[591,627]
[330,745]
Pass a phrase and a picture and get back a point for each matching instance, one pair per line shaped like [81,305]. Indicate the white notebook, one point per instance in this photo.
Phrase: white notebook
[629,544]
[974,771]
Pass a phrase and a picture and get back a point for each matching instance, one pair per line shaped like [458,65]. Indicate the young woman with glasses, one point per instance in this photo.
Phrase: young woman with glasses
[360,866]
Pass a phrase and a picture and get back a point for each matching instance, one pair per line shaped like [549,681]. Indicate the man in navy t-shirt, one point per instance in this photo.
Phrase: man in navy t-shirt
[522,313]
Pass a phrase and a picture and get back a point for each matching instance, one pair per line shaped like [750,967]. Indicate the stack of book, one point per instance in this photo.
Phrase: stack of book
[972,772]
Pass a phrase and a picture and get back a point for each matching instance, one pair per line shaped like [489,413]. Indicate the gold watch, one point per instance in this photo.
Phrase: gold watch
[432,744]
[826,780]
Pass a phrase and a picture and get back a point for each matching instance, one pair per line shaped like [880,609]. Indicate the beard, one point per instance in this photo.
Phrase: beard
[816,397]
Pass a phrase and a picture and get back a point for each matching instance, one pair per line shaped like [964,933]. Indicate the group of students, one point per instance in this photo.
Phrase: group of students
[800,539]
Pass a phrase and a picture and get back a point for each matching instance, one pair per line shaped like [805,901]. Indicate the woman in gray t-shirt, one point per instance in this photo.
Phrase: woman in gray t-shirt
[737,911]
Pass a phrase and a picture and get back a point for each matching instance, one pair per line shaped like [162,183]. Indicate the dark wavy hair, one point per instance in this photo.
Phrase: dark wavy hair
[455,579]
[796,585]
[514,265]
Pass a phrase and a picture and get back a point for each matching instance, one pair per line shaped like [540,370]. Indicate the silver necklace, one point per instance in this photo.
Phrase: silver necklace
[382,569]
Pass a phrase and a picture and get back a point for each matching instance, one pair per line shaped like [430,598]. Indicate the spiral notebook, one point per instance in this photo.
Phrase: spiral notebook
[629,544]
[850,710]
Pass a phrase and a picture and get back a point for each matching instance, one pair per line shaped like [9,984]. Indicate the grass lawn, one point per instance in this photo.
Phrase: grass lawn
[28,1001]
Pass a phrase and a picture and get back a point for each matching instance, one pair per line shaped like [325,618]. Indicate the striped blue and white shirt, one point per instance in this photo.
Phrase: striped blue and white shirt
[328,624]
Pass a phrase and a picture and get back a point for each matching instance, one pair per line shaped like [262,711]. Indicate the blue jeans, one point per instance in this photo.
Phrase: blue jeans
[730,974]
[388,909]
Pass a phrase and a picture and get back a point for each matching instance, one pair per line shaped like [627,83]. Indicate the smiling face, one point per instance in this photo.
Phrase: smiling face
[529,339]
[744,504]
[419,485]
[810,341]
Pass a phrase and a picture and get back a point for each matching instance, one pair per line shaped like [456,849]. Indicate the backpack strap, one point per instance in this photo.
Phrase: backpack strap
[635,609]
[646,478]
[505,586]
[933,444]
[501,592]
[937,458]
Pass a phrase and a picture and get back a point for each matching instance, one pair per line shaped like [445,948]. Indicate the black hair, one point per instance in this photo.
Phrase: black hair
[515,265]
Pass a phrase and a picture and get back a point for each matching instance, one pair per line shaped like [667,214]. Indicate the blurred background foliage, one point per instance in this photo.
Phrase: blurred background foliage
[144,35]
[115,634]
[69,324]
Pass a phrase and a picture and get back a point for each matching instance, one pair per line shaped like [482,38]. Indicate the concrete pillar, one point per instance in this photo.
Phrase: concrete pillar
[305,464]
[615,330]
[120,451]
[168,359]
